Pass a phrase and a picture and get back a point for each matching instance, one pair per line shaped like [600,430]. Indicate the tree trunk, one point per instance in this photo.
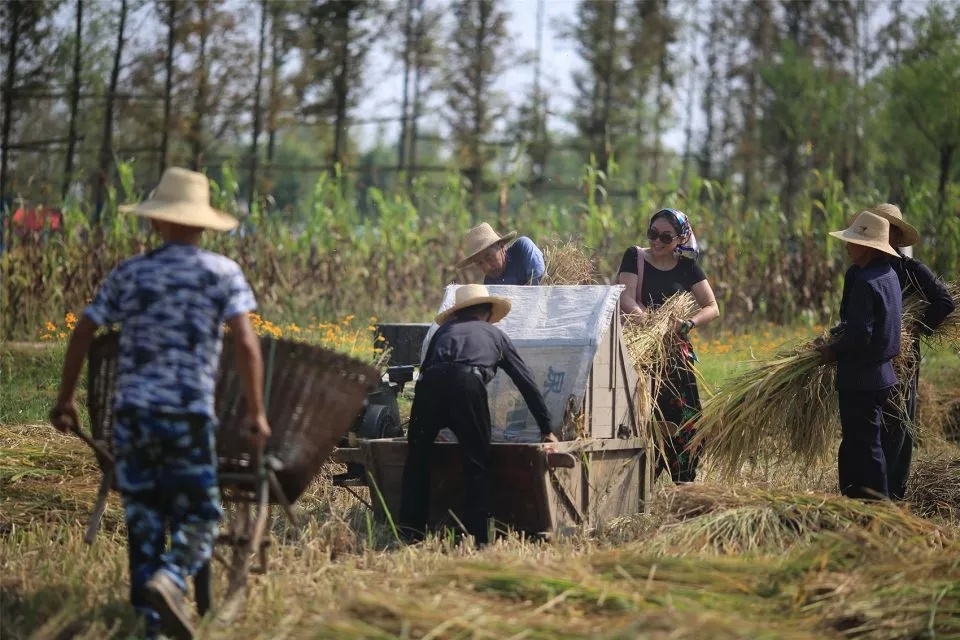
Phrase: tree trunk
[257,116]
[638,132]
[417,97]
[538,166]
[688,130]
[752,135]
[405,105]
[475,169]
[946,164]
[709,91]
[168,85]
[276,61]
[604,156]
[853,151]
[8,85]
[896,6]
[658,116]
[727,106]
[342,92]
[691,92]
[105,172]
[200,103]
[74,103]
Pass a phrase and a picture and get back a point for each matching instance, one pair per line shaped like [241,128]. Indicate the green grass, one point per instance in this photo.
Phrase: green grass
[29,379]
[30,373]
[940,367]
[722,355]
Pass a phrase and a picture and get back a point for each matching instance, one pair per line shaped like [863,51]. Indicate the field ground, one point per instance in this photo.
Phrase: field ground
[773,556]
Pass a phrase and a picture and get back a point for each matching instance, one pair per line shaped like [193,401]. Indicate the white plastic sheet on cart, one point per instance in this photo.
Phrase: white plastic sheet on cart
[557,331]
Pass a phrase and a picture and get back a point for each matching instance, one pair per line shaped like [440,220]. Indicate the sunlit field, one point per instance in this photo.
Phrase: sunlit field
[768,556]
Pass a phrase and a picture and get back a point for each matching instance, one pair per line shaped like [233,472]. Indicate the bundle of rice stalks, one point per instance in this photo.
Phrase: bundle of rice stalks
[567,264]
[652,341]
[948,333]
[715,519]
[784,408]
[934,487]
[906,362]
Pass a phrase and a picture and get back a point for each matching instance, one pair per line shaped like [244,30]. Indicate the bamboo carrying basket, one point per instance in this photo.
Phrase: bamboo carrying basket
[312,396]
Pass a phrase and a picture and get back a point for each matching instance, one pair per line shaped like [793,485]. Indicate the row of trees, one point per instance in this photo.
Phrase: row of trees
[764,92]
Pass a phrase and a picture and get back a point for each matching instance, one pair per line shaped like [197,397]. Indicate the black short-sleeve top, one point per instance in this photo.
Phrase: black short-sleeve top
[658,285]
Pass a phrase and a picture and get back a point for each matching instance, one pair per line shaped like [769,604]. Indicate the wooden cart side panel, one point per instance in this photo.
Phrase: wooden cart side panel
[383,481]
[612,389]
[600,405]
[640,396]
[519,494]
[646,475]
[520,491]
[613,484]
[525,495]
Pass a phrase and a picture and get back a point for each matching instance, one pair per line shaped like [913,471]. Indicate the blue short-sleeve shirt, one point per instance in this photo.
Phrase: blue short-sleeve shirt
[525,264]
[171,305]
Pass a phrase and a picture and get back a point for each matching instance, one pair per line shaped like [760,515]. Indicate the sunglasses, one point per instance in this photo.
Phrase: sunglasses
[662,236]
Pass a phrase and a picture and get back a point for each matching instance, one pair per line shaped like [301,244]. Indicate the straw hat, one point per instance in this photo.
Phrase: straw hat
[478,239]
[891,213]
[868,230]
[183,197]
[469,295]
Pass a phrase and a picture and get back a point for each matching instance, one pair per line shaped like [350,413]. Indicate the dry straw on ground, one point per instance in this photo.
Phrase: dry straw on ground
[934,486]
[821,567]
[720,519]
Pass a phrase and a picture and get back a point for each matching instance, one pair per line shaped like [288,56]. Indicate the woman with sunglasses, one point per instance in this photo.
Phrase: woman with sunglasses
[651,276]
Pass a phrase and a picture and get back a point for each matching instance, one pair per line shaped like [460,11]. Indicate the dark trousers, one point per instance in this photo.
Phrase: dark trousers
[678,402]
[448,396]
[860,461]
[896,438]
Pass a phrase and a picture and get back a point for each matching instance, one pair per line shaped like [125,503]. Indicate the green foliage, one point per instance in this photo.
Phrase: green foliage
[328,260]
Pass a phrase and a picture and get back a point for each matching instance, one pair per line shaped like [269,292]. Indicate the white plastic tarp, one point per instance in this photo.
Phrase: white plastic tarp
[557,331]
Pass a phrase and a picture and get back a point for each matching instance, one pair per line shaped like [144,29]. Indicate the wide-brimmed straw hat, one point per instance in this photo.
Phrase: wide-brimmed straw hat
[868,230]
[891,213]
[469,295]
[479,238]
[183,197]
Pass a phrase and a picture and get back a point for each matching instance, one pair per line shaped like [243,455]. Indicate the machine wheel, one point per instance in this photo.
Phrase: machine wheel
[379,422]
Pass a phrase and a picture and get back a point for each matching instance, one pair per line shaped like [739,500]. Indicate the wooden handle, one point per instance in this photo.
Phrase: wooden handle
[560,460]
[93,444]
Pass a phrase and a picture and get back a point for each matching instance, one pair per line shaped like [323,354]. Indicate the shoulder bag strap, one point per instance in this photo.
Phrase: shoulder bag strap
[640,261]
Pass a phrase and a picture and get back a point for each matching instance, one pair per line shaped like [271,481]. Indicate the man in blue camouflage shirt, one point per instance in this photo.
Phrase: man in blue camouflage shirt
[171,305]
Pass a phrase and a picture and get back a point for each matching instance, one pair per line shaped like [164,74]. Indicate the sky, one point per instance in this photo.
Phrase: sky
[384,94]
